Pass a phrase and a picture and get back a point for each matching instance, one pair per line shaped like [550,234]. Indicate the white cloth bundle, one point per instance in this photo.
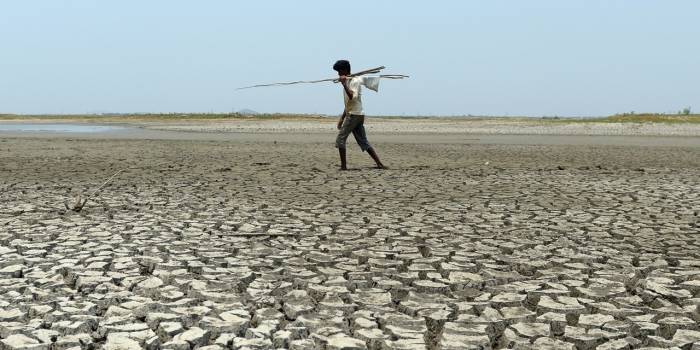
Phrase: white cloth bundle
[371,83]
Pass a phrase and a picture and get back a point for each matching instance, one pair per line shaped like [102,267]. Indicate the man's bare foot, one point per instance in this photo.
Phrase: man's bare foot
[382,167]
[342,168]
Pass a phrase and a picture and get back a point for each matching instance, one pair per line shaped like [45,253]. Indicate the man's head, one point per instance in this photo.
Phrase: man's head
[342,67]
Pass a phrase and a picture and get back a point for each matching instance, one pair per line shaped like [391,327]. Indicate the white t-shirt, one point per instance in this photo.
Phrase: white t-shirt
[354,105]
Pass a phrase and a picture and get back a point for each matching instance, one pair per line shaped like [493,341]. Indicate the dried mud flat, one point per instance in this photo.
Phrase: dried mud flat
[489,126]
[260,245]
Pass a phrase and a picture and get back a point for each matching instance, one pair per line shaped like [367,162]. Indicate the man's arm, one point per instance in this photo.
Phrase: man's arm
[344,80]
[340,121]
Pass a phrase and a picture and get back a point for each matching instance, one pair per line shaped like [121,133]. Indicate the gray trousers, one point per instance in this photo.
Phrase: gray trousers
[353,124]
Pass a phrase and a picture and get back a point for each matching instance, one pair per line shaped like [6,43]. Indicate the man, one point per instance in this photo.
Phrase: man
[353,118]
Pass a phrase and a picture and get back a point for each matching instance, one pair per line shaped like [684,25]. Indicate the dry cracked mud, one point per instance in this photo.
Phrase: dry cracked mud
[262,245]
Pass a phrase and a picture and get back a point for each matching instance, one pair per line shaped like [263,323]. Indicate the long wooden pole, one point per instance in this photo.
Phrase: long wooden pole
[367,71]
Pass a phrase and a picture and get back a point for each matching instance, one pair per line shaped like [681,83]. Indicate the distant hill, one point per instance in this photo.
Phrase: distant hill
[247,111]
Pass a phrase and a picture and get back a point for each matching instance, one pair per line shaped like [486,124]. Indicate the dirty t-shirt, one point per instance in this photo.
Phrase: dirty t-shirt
[354,105]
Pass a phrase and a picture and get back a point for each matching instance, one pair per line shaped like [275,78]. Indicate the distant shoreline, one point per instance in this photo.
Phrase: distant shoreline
[212,117]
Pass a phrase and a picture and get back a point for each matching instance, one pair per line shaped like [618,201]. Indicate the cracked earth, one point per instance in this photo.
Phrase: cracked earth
[264,245]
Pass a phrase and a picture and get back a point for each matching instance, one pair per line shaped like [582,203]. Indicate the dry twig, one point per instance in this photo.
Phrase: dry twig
[80,202]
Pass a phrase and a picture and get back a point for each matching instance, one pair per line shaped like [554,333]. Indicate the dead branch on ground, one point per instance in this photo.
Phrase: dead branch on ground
[80,202]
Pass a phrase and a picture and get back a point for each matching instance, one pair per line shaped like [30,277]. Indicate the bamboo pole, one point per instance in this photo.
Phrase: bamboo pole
[335,80]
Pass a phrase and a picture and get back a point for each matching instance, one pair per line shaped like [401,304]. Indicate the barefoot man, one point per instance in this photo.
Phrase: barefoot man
[353,118]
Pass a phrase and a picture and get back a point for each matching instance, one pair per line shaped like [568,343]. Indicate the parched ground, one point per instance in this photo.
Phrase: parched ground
[257,245]
[487,126]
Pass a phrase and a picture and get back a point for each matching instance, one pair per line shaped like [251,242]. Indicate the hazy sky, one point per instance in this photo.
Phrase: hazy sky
[534,57]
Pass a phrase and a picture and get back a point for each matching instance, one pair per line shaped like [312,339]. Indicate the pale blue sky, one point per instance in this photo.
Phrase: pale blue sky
[535,57]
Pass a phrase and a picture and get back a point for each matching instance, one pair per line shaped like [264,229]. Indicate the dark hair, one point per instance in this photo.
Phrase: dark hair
[342,66]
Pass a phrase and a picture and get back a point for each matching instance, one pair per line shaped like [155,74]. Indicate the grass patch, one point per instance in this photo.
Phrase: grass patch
[635,118]
[654,118]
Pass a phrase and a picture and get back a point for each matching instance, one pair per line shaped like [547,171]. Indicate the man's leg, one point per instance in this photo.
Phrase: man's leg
[374,156]
[340,140]
[343,161]
[361,138]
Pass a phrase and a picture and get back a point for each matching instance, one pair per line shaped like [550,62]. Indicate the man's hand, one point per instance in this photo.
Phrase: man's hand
[340,122]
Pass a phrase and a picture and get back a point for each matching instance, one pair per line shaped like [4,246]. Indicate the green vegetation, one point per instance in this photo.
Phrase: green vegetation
[656,118]
[636,118]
